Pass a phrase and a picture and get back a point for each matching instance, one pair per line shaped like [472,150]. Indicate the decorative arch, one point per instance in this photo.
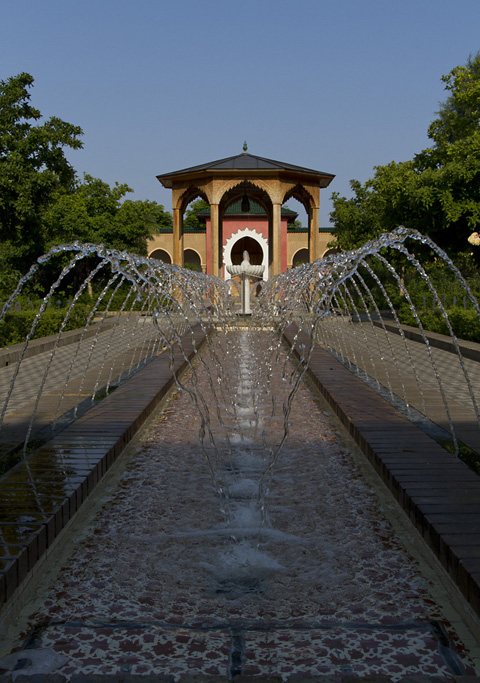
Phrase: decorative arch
[160,255]
[191,193]
[240,234]
[191,257]
[238,188]
[309,203]
[300,257]
[302,195]
[254,183]
[253,191]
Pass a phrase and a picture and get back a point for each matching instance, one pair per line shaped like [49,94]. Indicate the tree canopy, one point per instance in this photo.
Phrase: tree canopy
[438,191]
[42,201]
[33,167]
[94,212]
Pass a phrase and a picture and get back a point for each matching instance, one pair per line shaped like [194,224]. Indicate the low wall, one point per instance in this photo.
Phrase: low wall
[40,495]
[12,353]
[438,492]
[440,341]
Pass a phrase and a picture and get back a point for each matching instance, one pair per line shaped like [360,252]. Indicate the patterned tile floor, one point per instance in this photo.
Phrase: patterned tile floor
[174,576]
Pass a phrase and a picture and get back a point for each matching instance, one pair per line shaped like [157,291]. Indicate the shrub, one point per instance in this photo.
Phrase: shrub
[465,323]
[16,325]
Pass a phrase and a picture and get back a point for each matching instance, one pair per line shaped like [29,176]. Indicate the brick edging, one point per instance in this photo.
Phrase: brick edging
[438,492]
[42,494]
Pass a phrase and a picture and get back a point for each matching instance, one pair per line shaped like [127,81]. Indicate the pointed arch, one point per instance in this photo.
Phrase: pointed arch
[251,189]
[254,192]
[311,206]
[191,193]
[302,195]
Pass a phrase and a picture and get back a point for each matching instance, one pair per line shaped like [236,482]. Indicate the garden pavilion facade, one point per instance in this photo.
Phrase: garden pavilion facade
[245,194]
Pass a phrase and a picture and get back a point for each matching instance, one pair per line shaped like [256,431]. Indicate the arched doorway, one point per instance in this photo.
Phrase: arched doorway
[257,258]
[192,260]
[330,252]
[253,242]
[247,244]
[161,255]
[300,258]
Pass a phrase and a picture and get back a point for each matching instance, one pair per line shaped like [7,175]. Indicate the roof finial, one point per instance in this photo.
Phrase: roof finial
[245,147]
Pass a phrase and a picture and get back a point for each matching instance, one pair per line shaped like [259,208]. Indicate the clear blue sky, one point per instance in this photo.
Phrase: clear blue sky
[159,85]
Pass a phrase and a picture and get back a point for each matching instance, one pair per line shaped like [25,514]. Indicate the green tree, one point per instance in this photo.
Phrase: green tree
[438,192]
[459,115]
[191,221]
[94,212]
[33,167]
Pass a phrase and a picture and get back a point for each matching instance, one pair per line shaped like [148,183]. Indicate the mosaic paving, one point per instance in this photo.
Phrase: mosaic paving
[171,579]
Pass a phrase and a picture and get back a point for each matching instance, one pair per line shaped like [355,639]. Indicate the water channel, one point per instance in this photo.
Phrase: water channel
[206,560]
[242,533]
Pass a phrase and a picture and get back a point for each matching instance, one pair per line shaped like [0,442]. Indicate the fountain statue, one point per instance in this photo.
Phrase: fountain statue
[246,271]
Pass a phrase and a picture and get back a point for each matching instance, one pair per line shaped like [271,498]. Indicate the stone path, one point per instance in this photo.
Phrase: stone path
[160,581]
[72,377]
[405,367]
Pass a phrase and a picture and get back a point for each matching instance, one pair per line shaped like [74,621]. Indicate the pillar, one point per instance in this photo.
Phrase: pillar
[177,237]
[276,238]
[214,245]
[313,234]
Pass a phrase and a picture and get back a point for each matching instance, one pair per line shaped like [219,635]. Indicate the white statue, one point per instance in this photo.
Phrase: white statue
[246,271]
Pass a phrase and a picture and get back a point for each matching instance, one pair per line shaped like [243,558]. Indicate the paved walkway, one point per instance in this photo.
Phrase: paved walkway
[439,493]
[41,495]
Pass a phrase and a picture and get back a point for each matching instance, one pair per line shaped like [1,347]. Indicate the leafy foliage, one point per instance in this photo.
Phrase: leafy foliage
[32,168]
[191,221]
[42,202]
[93,212]
[437,192]
[16,325]
[465,323]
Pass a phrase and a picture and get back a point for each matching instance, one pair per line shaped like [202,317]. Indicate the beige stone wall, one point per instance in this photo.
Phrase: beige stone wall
[295,241]
[324,238]
[162,241]
[299,240]
[197,242]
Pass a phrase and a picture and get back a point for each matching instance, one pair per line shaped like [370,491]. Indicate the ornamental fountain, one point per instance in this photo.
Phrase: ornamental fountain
[240,489]
[246,272]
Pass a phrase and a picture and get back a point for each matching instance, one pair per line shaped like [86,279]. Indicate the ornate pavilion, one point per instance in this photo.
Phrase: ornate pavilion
[245,194]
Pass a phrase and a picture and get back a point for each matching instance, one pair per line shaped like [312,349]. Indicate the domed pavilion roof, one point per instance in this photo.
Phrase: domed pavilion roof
[245,162]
